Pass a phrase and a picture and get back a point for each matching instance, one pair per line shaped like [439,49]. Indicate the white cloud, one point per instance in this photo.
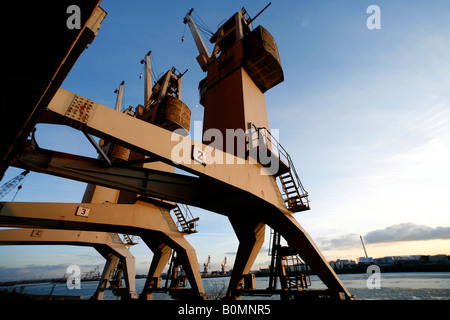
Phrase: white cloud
[395,233]
[407,232]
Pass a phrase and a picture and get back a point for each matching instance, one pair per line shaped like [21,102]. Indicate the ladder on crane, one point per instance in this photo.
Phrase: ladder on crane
[293,193]
[286,265]
[186,221]
[175,274]
[130,240]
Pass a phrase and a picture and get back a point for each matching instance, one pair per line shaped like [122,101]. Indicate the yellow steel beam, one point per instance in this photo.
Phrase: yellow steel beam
[92,117]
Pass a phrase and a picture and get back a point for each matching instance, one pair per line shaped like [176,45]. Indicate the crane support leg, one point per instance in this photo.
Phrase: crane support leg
[161,256]
[128,266]
[110,265]
[109,245]
[250,234]
[302,243]
[188,257]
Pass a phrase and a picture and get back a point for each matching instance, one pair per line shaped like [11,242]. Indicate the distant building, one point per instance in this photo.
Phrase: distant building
[340,264]
[384,261]
[417,263]
[415,257]
[365,260]
[401,258]
[440,258]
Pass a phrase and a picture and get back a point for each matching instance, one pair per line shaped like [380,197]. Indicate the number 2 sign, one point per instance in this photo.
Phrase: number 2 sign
[198,155]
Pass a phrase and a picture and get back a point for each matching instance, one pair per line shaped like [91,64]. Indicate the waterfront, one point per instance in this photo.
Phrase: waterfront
[393,286]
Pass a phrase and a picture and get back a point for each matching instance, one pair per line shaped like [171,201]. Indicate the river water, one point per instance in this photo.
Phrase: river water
[391,286]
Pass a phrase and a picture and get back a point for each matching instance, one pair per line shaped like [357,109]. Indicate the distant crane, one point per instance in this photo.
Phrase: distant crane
[364,247]
[206,265]
[204,56]
[224,263]
[11,184]
[92,275]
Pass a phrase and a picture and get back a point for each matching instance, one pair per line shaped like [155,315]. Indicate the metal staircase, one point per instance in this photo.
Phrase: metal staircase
[294,195]
[130,240]
[296,273]
[293,192]
[287,266]
[186,226]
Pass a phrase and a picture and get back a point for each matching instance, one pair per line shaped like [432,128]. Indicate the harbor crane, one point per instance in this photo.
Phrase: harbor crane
[245,64]
[223,264]
[206,265]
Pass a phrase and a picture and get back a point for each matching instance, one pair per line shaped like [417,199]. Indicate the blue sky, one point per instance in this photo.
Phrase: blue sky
[364,114]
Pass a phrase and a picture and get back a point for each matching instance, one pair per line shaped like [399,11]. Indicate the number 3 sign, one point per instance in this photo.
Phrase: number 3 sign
[84,212]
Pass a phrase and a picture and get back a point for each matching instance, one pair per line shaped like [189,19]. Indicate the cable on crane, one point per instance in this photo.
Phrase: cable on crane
[153,69]
[202,26]
[155,73]
[184,31]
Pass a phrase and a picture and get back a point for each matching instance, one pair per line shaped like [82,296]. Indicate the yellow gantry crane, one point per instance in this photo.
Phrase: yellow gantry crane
[238,180]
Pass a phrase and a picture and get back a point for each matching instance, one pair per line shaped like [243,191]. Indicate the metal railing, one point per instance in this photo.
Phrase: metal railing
[264,137]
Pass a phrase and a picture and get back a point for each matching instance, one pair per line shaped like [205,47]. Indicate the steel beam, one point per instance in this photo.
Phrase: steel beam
[154,183]
[149,221]
[163,145]
[109,245]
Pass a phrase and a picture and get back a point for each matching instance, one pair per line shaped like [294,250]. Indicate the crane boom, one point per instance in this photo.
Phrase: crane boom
[204,53]
[364,247]
[147,79]
[119,97]
[11,184]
